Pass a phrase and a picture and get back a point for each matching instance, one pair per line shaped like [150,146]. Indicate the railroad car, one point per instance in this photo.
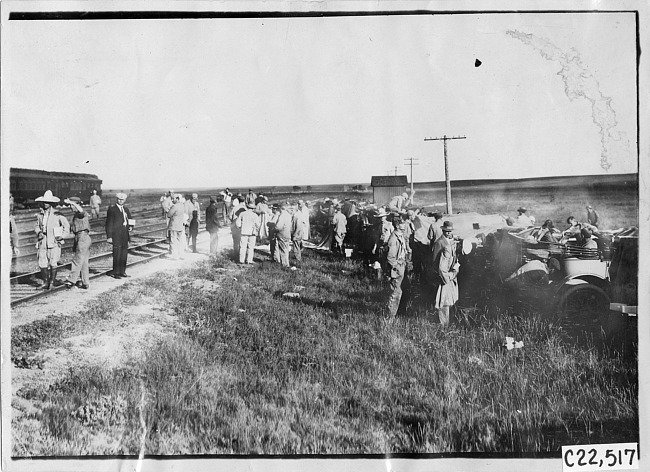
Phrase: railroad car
[28,184]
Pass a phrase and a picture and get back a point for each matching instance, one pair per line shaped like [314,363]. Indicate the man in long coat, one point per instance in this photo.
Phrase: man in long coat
[445,264]
[117,234]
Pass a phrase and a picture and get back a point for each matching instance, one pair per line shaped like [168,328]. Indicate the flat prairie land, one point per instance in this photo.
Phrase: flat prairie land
[267,360]
[616,198]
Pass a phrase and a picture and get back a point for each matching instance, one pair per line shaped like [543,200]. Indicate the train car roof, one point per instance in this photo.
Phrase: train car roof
[18,172]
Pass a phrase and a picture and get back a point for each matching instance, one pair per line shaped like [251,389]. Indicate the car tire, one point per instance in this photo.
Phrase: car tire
[583,302]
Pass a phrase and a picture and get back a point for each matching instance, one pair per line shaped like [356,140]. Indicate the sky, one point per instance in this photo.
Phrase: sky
[300,101]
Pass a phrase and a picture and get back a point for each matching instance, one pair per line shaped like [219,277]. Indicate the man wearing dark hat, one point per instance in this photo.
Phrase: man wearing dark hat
[396,262]
[51,228]
[117,234]
[445,267]
[248,223]
[212,225]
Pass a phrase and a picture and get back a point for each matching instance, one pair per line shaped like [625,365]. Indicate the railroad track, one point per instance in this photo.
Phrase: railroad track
[26,286]
[97,224]
[96,238]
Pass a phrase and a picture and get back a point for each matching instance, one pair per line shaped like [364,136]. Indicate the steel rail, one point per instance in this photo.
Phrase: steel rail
[68,244]
[43,292]
[98,222]
[142,259]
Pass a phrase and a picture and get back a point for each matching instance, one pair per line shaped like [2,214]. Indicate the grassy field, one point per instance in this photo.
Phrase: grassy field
[248,370]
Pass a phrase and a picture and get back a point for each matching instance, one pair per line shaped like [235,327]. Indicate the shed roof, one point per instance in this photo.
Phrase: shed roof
[388,181]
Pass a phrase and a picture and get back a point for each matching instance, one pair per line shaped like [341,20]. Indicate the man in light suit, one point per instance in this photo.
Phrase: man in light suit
[117,234]
[51,228]
[248,223]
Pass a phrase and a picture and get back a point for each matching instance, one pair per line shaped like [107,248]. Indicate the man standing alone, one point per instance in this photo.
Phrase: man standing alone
[117,234]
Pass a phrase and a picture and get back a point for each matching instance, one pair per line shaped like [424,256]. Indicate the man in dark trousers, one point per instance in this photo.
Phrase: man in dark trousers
[117,234]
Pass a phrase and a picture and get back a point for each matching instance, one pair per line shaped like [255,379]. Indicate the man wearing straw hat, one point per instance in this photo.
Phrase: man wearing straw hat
[445,266]
[51,228]
[117,234]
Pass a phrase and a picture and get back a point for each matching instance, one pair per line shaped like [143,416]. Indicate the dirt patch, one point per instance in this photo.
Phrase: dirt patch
[110,343]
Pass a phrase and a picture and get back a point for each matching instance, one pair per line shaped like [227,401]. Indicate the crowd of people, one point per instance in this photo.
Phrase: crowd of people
[401,244]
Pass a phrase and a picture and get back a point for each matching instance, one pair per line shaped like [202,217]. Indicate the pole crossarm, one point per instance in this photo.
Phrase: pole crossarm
[411,162]
[446,138]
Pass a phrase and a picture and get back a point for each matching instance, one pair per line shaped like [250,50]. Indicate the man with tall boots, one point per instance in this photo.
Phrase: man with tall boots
[51,228]
[117,234]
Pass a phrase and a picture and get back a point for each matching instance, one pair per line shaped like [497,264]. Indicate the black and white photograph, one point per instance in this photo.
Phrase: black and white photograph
[397,236]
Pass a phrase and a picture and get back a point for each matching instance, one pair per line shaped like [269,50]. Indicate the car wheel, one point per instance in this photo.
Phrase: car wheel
[584,303]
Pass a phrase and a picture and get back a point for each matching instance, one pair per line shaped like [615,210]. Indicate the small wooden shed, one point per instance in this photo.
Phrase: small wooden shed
[385,187]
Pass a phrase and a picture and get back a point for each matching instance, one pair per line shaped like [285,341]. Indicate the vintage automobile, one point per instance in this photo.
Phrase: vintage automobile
[589,282]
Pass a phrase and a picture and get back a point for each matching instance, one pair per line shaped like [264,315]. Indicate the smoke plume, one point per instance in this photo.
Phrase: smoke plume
[580,83]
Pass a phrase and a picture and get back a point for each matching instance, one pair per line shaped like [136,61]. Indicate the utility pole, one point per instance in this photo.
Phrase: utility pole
[410,162]
[444,139]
